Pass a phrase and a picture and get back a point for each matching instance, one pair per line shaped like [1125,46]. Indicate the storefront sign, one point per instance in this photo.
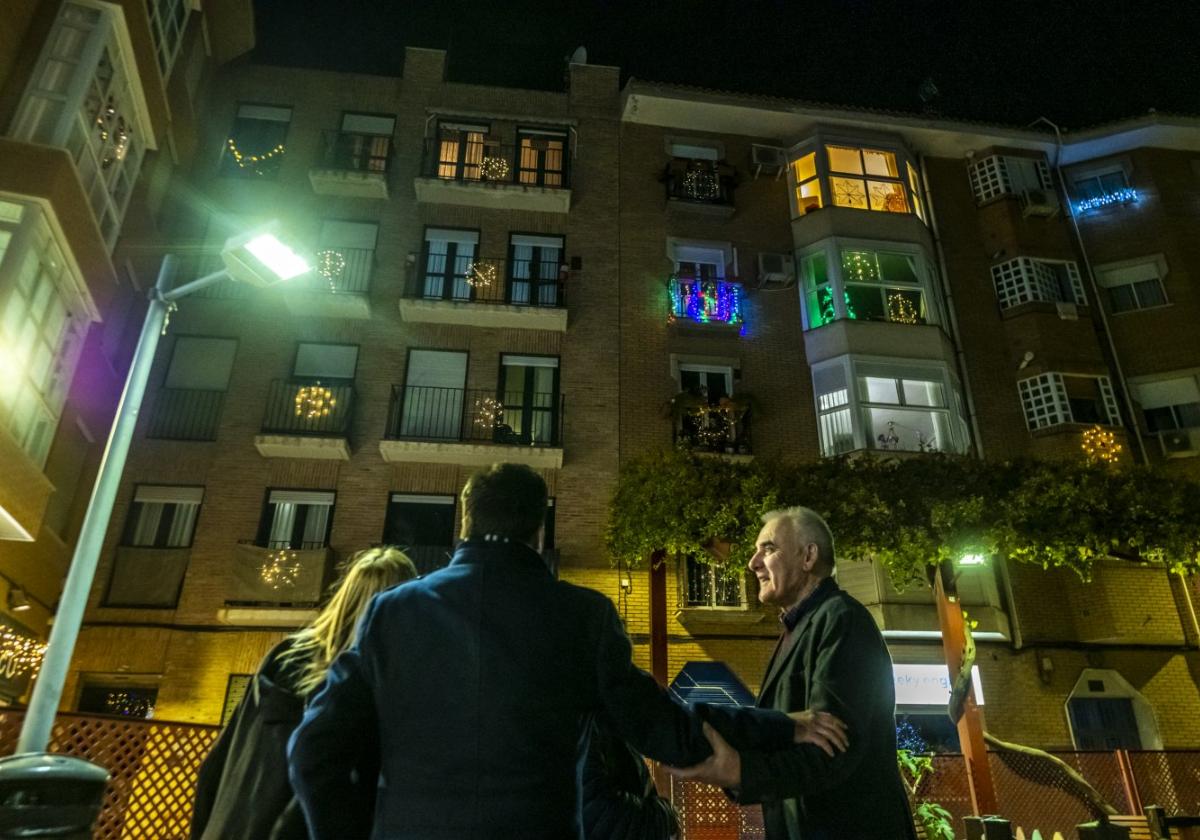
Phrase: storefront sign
[928,685]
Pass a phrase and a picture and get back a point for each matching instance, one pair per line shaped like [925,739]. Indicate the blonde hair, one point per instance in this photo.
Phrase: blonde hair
[365,574]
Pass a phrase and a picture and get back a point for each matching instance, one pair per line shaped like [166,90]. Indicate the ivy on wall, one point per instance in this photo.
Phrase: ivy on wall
[909,514]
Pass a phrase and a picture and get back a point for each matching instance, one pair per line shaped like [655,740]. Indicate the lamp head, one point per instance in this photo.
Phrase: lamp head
[263,257]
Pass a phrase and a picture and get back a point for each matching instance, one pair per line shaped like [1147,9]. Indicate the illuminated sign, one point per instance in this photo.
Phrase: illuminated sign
[928,685]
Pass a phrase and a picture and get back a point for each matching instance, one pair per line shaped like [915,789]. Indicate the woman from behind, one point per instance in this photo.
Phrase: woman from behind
[243,792]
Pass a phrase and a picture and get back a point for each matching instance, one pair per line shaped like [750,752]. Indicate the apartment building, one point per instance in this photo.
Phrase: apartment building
[568,279]
[98,106]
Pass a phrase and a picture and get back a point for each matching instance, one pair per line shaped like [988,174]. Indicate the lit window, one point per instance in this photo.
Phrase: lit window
[452,268]
[1096,186]
[1135,284]
[882,286]
[1024,279]
[914,188]
[542,158]
[461,150]
[808,187]
[818,288]
[1052,399]
[297,519]
[255,147]
[870,192]
[708,587]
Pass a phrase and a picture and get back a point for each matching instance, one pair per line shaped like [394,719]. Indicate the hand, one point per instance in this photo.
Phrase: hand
[820,729]
[723,768]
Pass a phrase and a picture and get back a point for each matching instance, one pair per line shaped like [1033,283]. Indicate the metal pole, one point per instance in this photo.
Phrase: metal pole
[48,689]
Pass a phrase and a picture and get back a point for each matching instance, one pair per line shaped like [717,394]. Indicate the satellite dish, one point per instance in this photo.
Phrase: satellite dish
[579,56]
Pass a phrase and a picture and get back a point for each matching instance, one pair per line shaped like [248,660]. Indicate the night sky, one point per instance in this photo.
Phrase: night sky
[1005,61]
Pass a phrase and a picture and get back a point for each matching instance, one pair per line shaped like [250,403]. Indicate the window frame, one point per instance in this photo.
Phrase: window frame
[540,171]
[453,283]
[296,541]
[1045,402]
[991,179]
[907,176]
[130,517]
[1158,261]
[229,166]
[711,588]
[1016,282]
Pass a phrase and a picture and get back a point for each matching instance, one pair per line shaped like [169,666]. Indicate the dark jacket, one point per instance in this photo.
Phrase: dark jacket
[620,801]
[478,684]
[837,662]
[243,792]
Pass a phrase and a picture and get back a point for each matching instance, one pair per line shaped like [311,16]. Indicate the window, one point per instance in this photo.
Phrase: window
[297,519]
[461,150]
[1104,723]
[364,143]
[119,699]
[1134,284]
[45,313]
[861,281]
[432,402]
[923,733]
[808,188]
[914,191]
[542,157]
[255,147]
[1026,279]
[335,362]
[865,179]
[699,290]
[1169,404]
[81,97]
[709,587]
[354,243]
[1097,186]
[423,526]
[998,175]
[1055,398]
[162,517]
[697,173]
[529,400]
[535,265]
[189,405]
[168,19]
[909,407]
[450,260]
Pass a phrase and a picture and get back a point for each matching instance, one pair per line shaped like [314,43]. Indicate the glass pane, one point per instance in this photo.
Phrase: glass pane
[887,196]
[905,306]
[820,306]
[849,192]
[898,268]
[859,267]
[1113,182]
[1188,415]
[907,431]
[1122,298]
[880,163]
[865,303]
[844,159]
[1160,419]
[877,389]
[816,270]
[917,392]
[808,196]
[805,168]
[1150,293]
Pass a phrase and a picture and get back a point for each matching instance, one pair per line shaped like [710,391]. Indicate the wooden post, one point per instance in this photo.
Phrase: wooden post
[970,729]
[658,616]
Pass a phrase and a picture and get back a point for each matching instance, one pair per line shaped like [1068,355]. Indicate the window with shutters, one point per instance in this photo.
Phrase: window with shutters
[1025,279]
[297,519]
[1052,399]
[162,516]
[1134,284]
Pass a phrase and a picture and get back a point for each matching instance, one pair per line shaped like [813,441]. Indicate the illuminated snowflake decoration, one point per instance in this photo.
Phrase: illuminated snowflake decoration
[19,654]
[489,413]
[1100,446]
[494,169]
[281,569]
[330,265]
[314,401]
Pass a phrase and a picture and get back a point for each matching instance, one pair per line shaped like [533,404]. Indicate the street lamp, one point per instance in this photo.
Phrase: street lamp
[260,258]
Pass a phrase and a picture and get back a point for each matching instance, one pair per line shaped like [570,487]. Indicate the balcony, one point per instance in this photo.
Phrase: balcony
[710,305]
[721,430]
[276,586]
[483,292]
[307,419]
[147,578]
[473,427]
[352,165]
[185,414]
[339,288]
[703,187]
[490,174]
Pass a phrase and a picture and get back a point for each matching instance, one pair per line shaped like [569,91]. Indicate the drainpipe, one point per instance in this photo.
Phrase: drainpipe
[1095,289]
[948,295]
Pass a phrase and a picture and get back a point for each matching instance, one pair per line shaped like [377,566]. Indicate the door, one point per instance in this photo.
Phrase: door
[1104,723]
[449,256]
[433,395]
[534,263]
[460,151]
[529,396]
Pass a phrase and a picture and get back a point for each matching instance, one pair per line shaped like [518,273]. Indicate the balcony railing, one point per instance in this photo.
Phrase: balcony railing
[309,407]
[186,414]
[543,163]
[715,429]
[472,279]
[706,301]
[148,578]
[341,271]
[512,418]
[700,181]
[349,151]
[279,576]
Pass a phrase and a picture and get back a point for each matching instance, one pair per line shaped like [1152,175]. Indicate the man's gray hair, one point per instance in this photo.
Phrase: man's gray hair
[808,525]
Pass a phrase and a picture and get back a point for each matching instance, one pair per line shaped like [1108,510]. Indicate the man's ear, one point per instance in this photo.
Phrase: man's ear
[811,557]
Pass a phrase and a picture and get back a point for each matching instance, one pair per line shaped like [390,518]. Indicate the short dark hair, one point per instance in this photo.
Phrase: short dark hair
[507,500]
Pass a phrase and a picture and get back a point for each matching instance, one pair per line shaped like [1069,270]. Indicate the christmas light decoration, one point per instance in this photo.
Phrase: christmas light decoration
[1100,446]
[480,275]
[1123,196]
[489,413]
[128,705]
[314,401]
[280,569]
[901,310]
[330,265]
[706,301]
[494,169]
[19,654]
[244,160]
[702,184]
[110,125]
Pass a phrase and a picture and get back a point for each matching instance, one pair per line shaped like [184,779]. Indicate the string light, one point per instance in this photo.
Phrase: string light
[19,654]
[489,413]
[314,401]
[128,705]
[901,310]
[330,265]
[280,569]
[244,160]
[1100,446]
[1127,195]
[480,274]
[706,301]
[494,169]
[701,183]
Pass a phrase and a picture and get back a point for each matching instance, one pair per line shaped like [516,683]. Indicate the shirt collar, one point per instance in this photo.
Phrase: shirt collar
[807,604]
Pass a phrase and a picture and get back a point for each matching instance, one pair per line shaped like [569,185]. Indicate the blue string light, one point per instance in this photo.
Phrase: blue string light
[706,301]
[1124,196]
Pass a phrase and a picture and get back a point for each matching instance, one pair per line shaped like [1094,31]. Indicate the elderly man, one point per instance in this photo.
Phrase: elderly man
[830,658]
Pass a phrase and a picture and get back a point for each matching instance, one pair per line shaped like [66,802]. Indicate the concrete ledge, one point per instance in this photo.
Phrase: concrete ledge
[420,310]
[267,616]
[469,454]
[299,446]
[348,183]
[492,194]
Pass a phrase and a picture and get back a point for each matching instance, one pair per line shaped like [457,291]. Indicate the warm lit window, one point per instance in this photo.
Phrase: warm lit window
[808,187]
[892,284]
[1134,284]
[713,588]
[865,179]
[255,147]
[1052,399]
[1025,279]
[914,191]
[461,151]
[542,157]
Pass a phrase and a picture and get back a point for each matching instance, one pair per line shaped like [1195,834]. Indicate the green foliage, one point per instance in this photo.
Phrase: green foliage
[909,514]
[935,819]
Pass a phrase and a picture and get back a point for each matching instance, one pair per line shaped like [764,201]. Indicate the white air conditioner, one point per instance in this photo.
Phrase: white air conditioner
[1180,443]
[769,159]
[1039,203]
[776,270]
[1067,311]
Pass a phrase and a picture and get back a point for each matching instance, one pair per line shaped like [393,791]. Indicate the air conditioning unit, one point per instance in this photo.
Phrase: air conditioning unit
[776,271]
[769,159]
[1042,203]
[1067,311]
[1180,443]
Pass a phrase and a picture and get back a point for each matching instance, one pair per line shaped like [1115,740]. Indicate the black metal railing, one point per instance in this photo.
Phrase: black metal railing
[511,418]
[349,151]
[185,414]
[341,271]
[722,430]
[309,407]
[700,181]
[465,157]
[469,279]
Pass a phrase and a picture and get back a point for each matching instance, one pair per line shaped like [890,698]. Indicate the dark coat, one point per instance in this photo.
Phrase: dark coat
[478,684]
[243,792]
[620,801]
[837,662]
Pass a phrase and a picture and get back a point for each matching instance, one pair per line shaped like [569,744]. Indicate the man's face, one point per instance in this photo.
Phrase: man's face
[779,564]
